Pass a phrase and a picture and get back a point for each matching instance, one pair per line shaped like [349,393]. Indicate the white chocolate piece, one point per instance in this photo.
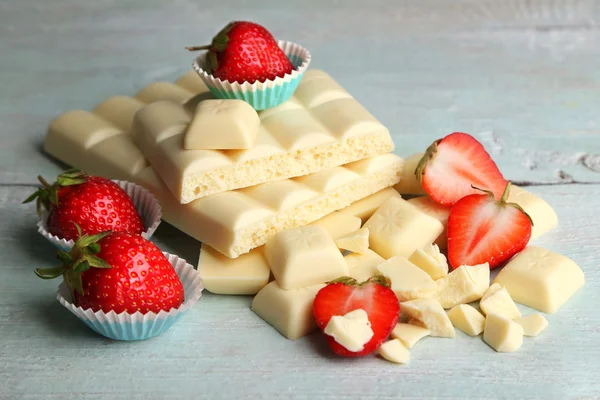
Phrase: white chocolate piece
[164,91]
[502,334]
[394,351]
[288,311]
[356,242]
[338,224]
[304,256]
[366,207]
[409,184]
[541,279]
[430,260]
[532,324]
[222,124]
[543,216]
[191,82]
[363,266]
[398,229]
[463,285]
[409,282]
[467,319]
[119,111]
[409,334]
[437,211]
[352,331]
[496,300]
[244,275]
[429,314]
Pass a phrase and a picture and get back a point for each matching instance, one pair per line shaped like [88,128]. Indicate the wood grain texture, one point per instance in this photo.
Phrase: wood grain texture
[522,76]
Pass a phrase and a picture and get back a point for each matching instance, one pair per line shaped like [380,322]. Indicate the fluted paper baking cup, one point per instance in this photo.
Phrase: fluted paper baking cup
[145,203]
[139,326]
[260,95]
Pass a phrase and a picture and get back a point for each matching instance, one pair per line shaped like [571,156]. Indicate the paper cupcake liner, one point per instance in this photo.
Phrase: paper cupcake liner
[145,204]
[260,95]
[139,326]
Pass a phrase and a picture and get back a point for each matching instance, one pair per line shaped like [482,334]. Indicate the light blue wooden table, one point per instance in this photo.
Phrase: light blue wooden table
[522,76]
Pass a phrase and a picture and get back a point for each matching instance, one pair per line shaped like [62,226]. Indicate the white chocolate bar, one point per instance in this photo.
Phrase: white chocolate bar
[408,281]
[502,334]
[398,229]
[338,224]
[429,314]
[356,242]
[366,207]
[467,319]
[463,285]
[409,183]
[304,256]
[541,279]
[532,324]
[363,266]
[543,216]
[394,351]
[437,211]
[352,330]
[409,334]
[288,311]
[497,300]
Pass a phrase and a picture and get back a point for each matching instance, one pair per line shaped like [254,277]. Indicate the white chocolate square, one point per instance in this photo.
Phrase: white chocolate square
[541,279]
[463,285]
[356,242]
[430,260]
[363,266]
[543,216]
[304,256]
[437,211]
[288,311]
[222,124]
[409,334]
[467,319]
[244,275]
[429,314]
[409,282]
[496,300]
[398,229]
[338,224]
[366,207]
[502,334]
[532,324]
[394,351]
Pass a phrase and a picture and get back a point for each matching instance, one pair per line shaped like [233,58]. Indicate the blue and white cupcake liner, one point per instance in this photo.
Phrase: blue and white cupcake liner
[260,95]
[145,203]
[139,326]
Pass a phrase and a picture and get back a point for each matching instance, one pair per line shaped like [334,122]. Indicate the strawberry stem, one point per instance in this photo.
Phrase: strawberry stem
[427,157]
[506,192]
[198,48]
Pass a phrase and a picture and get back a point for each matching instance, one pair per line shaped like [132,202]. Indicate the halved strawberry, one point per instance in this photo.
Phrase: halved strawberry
[482,229]
[452,164]
[345,294]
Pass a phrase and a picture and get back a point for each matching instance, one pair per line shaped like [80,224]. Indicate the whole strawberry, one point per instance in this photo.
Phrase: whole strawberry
[94,203]
[245,52]
[120,272]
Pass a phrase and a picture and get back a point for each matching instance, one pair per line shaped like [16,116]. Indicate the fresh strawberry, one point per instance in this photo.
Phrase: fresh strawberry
[245,52]
[482,229]
[345,294]
[118,271]
[94,203]
[452,164]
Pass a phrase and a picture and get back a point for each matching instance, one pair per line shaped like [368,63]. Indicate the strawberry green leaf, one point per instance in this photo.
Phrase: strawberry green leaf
[64,257]
[94,248]
[49,273]
[97,262]
[86,240]
[81,266]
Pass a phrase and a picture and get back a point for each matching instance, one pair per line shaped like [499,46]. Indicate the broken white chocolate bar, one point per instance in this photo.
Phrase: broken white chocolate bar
[437,211]
[366,207]
[338,224]
[467,319]
[502,334]
[497,300]
[408,281]
[363,266]
[428,313]
[409,334]
[357,242]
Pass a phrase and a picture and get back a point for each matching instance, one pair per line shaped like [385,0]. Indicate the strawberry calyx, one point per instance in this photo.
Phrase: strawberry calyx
[73,263]
[48,194]
[427,157]
[218,45]
[504,199]
[349,281]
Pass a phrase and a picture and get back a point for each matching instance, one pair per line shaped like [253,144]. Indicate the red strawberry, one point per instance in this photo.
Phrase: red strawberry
[245,52]
[94,203]
[120,272]
[482,229]
[452,164]
[374,296]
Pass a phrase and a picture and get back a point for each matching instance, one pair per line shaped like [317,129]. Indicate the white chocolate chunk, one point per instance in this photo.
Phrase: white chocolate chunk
[409,282]
[398,229]
[288,311]
[244,275]
[164,91]
[437,211]
[463,285]
[543,216]
[429,314]
[408,183]
[467,319]
[366,207]
[409,334]
[304,256]
[363,266]
[394,351]
[541,279]
[338,224]
[502,334]
[192,82]
[532,324]
[222,124]
[497,300]
[430,260]
[356,242]
[352,330]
